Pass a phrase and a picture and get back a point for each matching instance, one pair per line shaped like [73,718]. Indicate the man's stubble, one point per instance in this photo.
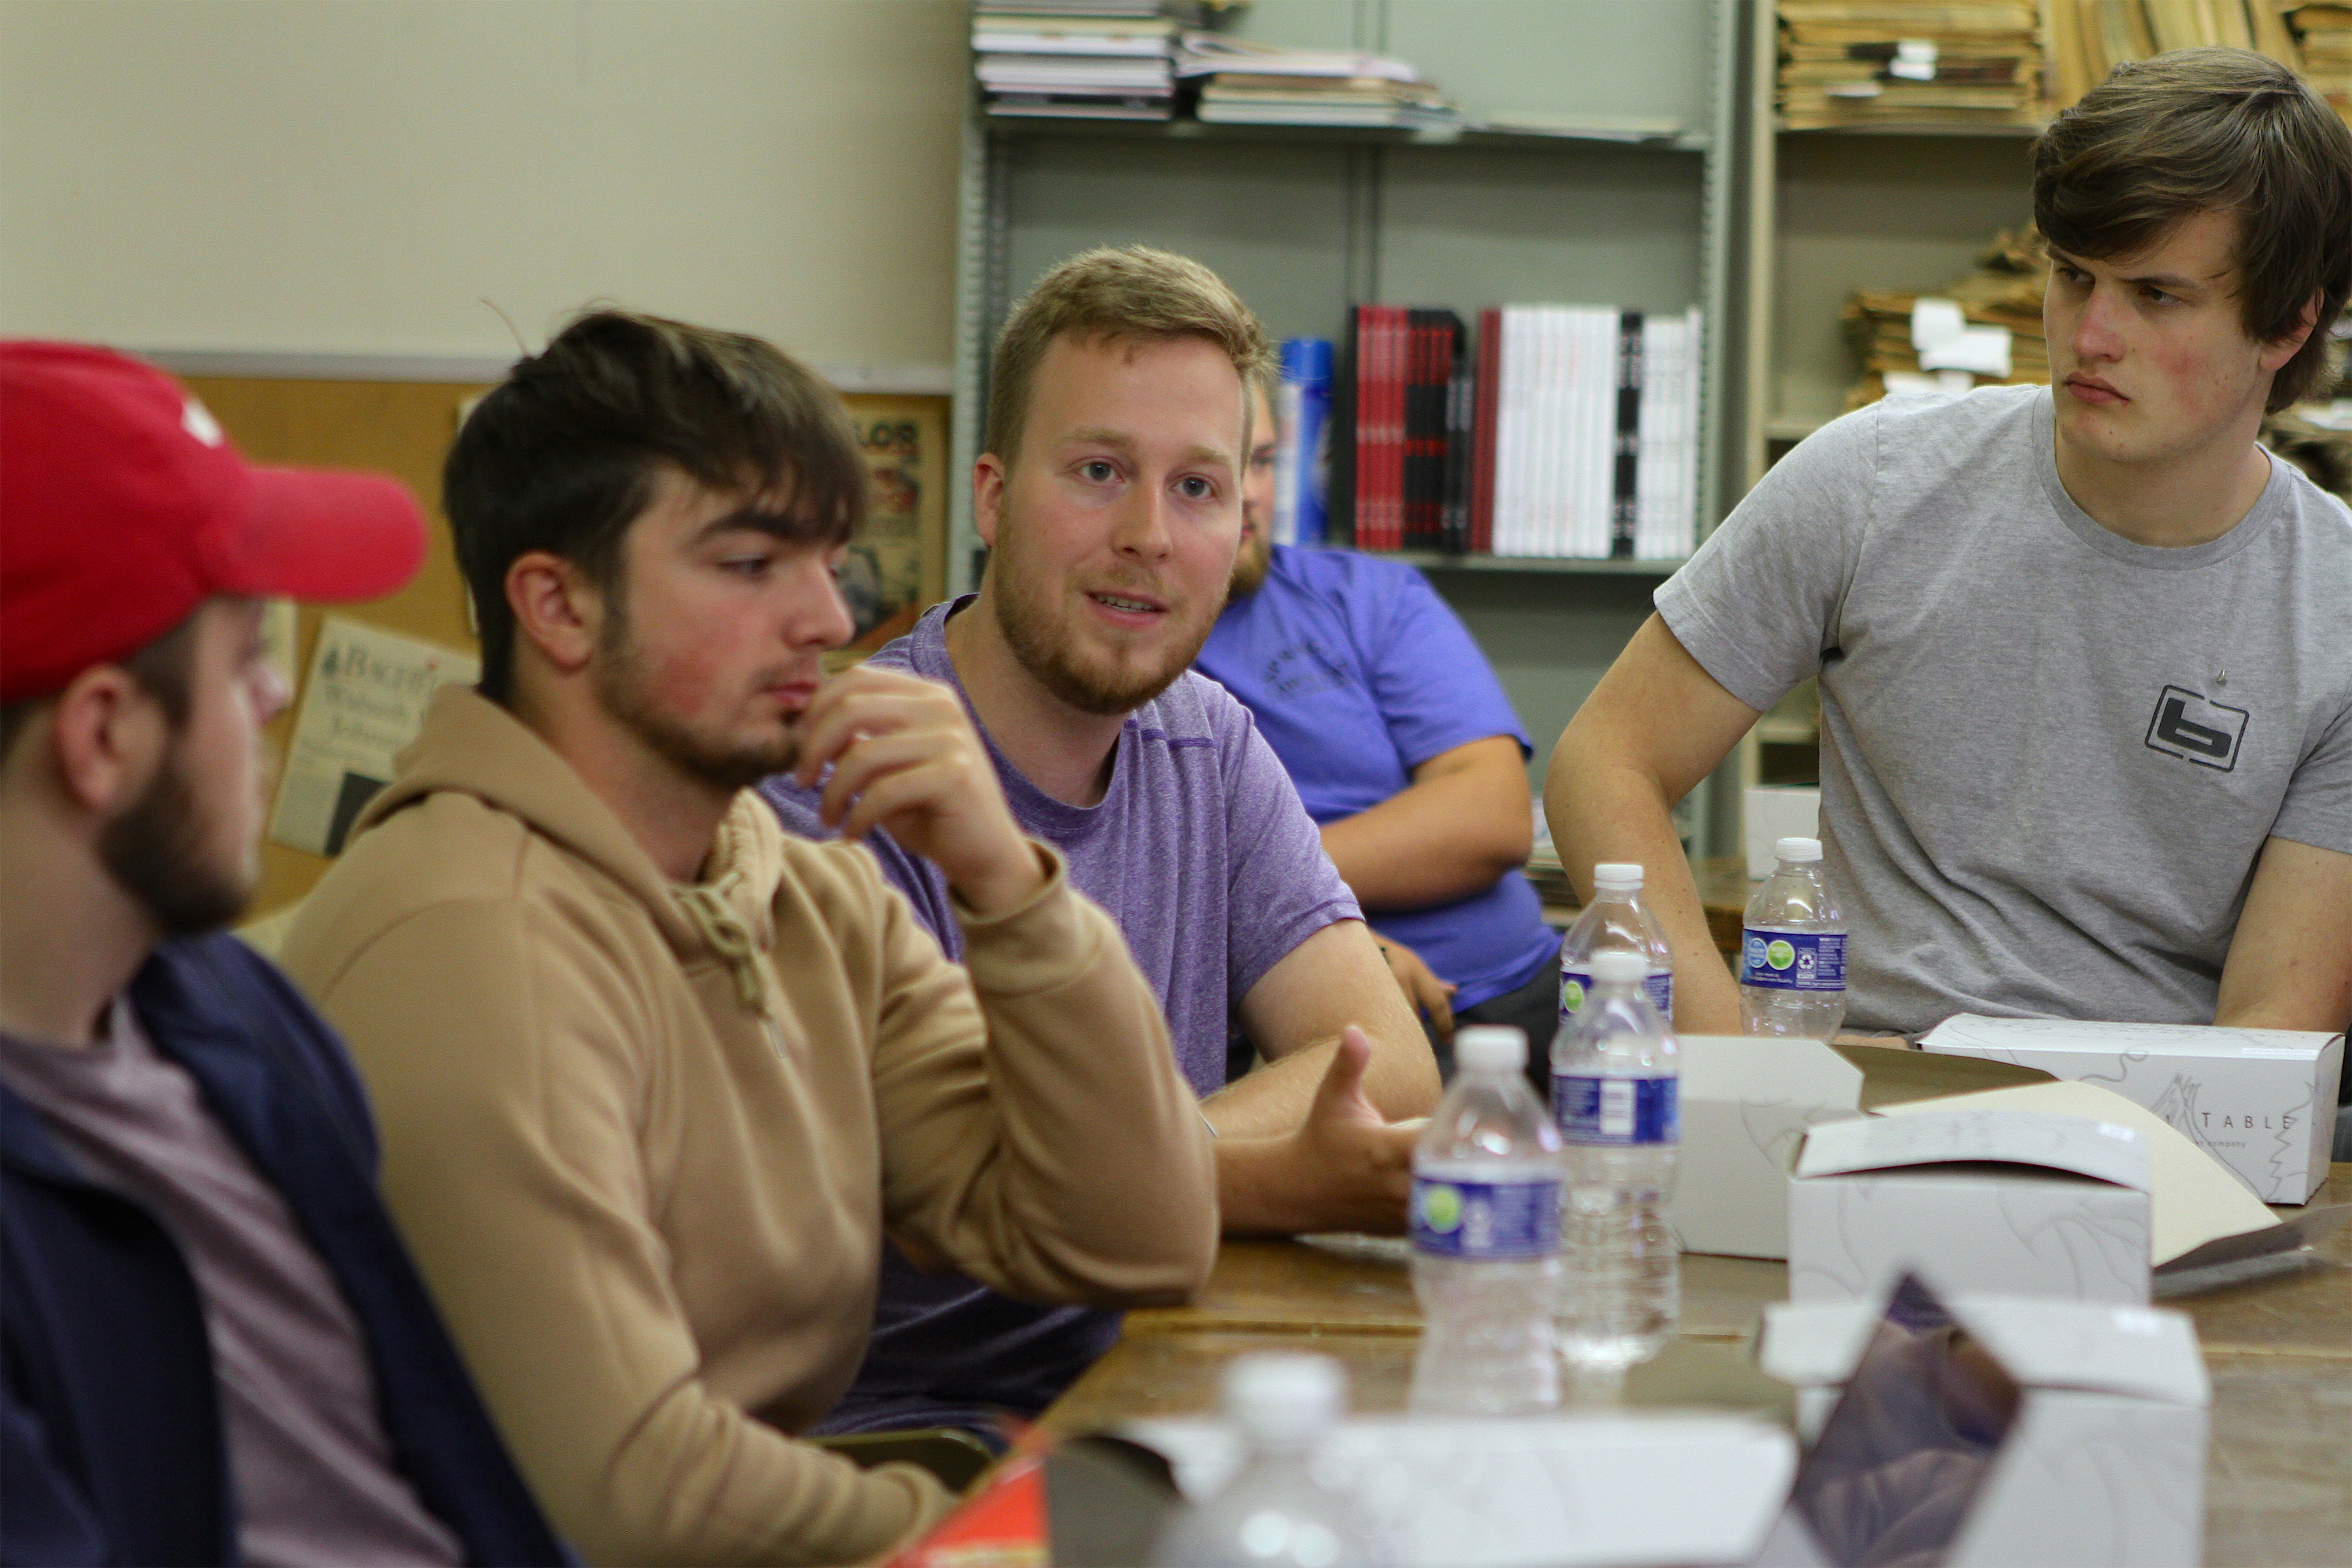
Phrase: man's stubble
[1034,626]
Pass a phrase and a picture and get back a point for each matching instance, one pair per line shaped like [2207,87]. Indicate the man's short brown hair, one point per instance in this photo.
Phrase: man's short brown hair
[2212,130]
[1136,293]
[563,455]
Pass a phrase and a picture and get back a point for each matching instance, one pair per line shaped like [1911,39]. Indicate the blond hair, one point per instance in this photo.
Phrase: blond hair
[1135,293]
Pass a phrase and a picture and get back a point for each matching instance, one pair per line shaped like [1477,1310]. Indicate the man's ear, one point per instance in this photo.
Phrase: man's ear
[556,607]
[988,474]
[106,737]
[2278,350]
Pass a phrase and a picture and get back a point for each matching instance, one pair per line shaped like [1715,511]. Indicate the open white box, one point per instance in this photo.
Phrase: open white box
[2105,1463]
[2261,1101]
[1747,1105]
[2003,1202]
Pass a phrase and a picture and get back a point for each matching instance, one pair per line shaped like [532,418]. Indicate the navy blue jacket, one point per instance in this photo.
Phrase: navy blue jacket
[110,1439]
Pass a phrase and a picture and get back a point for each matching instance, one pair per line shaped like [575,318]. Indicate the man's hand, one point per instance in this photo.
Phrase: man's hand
[905,759]
[1343,1169]
[1425,993]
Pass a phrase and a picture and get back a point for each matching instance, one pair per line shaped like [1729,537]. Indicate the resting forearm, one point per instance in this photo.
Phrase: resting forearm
[1271,1100]
[1599,813]
[1433,842]
[1258,1191]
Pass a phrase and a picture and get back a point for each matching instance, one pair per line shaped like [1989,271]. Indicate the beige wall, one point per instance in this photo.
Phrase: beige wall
[357,176]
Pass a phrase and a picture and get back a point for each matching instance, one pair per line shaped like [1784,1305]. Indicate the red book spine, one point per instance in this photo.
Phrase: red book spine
[1400,373]
[1376,514]
[1368,422]
[1482,432]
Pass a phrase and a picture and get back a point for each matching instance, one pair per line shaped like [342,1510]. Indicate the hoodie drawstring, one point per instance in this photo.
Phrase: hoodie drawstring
[724,931]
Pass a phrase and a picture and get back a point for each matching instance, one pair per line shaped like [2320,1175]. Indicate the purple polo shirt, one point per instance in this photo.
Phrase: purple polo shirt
[1201,852]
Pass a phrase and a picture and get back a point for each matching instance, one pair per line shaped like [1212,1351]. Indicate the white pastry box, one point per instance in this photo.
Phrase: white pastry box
[1747,1103]
[2261,1101]
[2102,1464]
[1993,1202]
[1630,1490]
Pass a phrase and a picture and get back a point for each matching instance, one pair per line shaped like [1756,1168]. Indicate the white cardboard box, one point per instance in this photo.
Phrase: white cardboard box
[1598,1491]
[2105,1464]
[2261,1102]
[1995,1201]
[1746,1106]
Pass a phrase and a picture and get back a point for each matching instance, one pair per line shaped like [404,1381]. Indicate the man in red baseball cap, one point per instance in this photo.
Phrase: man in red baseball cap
[212,1345]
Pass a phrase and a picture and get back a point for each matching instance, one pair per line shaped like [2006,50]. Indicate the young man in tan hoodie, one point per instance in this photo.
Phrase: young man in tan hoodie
[656,1079]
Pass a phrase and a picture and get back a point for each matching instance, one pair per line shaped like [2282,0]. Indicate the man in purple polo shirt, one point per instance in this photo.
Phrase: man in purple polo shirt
[1406,752]
[1110,496]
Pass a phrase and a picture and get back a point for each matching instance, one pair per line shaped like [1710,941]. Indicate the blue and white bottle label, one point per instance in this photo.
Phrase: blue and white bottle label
[1576,984]
[1792,961]
[1486,1219]
[1594,1109]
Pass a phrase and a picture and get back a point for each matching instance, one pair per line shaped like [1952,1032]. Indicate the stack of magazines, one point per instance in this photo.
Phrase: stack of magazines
[1910,62]
[1084,59]
[1247,83]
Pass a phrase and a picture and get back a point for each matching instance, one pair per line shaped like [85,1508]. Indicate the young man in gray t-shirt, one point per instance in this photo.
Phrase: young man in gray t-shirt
[2086,680]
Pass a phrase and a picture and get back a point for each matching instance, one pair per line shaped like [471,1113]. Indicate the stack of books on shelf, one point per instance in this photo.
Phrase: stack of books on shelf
[2002,294]
[1911,62]
[1244,82]
[2323,35]
[1571,433]
[1081,60]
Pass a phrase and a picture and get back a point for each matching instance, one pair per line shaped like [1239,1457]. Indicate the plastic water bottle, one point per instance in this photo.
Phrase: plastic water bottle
[1486,1238]
[1276,1510]
[1793,953]
[1615,1093]
[1616,921]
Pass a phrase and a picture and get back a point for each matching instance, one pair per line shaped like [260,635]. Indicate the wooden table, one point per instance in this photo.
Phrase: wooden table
[2278,1480]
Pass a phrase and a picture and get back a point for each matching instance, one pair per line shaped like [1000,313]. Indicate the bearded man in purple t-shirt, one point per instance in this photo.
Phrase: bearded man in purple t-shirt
[1110,496]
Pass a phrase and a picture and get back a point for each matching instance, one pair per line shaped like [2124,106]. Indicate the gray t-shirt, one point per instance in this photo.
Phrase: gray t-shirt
[306,1450]
[2049,757]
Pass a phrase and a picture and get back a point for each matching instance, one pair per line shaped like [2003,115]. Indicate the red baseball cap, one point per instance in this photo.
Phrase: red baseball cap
[122,508]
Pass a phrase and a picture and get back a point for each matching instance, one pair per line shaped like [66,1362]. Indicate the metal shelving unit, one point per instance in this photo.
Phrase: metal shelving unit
[1306,222]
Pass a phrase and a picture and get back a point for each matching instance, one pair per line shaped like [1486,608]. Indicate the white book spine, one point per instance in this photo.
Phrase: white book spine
[1510,430]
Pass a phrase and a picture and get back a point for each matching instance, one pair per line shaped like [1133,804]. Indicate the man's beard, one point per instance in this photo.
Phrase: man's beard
[1027,613]
[621,688]
[155,852]
[1251,563]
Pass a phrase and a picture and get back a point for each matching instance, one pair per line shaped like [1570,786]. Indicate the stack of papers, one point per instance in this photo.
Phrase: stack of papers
[1910,62]
[1102,59]
[1248,83]
[1913,343]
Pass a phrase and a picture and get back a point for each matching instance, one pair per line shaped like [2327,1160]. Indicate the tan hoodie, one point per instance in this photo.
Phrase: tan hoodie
[645,1139]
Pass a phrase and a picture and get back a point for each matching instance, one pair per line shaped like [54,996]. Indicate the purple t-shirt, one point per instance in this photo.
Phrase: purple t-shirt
[1357,673]
[1202,854]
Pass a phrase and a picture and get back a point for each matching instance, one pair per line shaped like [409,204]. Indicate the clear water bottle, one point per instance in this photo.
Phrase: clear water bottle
[1277,1509]
[1793,953]
[1616,921]
[1486,1238]
[1615,1093]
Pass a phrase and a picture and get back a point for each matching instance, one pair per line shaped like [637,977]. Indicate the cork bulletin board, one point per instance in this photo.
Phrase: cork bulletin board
[895,567]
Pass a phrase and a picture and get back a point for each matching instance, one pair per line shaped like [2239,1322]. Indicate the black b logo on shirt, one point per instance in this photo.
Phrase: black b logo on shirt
[2188,726]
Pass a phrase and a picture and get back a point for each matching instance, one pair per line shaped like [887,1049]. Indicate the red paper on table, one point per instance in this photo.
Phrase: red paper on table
[1001,1525]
